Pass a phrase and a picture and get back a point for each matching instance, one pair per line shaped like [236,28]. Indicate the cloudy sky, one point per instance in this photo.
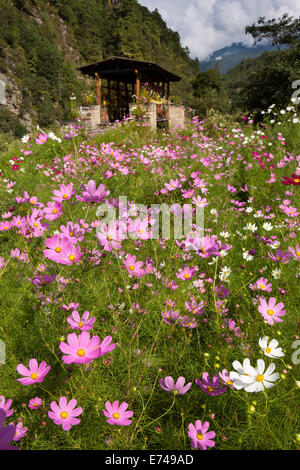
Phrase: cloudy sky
[207,25]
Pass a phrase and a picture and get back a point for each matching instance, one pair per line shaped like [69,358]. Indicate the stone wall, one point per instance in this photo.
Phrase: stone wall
[90,116]
[176,116]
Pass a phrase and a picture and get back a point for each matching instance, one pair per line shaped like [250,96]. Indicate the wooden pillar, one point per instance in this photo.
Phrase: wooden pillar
[127,98]
[109,100]
[119,109]
[168,89]
[137,85]
[98,89]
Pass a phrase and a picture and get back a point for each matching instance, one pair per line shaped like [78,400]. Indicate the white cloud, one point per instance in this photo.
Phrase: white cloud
[208,25]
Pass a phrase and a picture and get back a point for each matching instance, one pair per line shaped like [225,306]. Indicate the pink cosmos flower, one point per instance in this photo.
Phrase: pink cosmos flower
[84,324]
[199,435]
[60,249]
[185,274]
[111,236]
[6,433]
[226,379]
[134,267]
[117,414]
[35,403]
[5,406]
[204,246]
[64,193]
[72,306]
[199,201]
[179,388]
[262,284]
[19,431]
[35,374]
[73,231]
[53,210]
[65,413]
[81,349]
[172,185]
[41,139]
[270,311]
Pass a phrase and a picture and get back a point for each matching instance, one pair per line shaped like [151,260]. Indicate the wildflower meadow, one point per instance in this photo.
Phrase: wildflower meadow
[122,329]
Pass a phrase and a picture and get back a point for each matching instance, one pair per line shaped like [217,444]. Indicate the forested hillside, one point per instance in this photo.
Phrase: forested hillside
[43,41]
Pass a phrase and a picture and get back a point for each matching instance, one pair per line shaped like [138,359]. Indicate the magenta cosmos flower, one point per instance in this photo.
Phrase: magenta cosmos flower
[199,435]
[6,406]
[35,374]
[65,413]
[84,324]
[82,349]
[93,194]
[117,414]
[6,433]
[270,311]
[179,388]
[212,387]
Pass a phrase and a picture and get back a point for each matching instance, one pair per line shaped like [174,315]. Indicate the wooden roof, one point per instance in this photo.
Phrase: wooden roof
[124,70]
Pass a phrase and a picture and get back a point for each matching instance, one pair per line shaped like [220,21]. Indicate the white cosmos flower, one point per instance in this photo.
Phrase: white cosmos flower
[270,350]
[236,377]
[258,379]
[267,226]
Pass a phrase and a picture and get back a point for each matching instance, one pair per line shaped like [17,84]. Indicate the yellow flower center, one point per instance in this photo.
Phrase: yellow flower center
[80,352]
[297,180]
[71,234]
[71,257]
[203,250]
[260,378]
[58,249]
[270,312]
[298,253]
[116,415]
[109,237]
[268,350]
[54,211]
[229,382]
[65,196]
[64,414]
[80,324]
[200,436]
[34,376]
[210,389]
[35,224]
[186,276]
[131,267]
[262,286]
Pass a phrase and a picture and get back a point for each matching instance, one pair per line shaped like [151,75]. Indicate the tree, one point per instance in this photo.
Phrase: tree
[284,30]
[209,92]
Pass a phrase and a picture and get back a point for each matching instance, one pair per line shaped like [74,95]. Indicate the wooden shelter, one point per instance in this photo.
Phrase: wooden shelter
[119,80]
